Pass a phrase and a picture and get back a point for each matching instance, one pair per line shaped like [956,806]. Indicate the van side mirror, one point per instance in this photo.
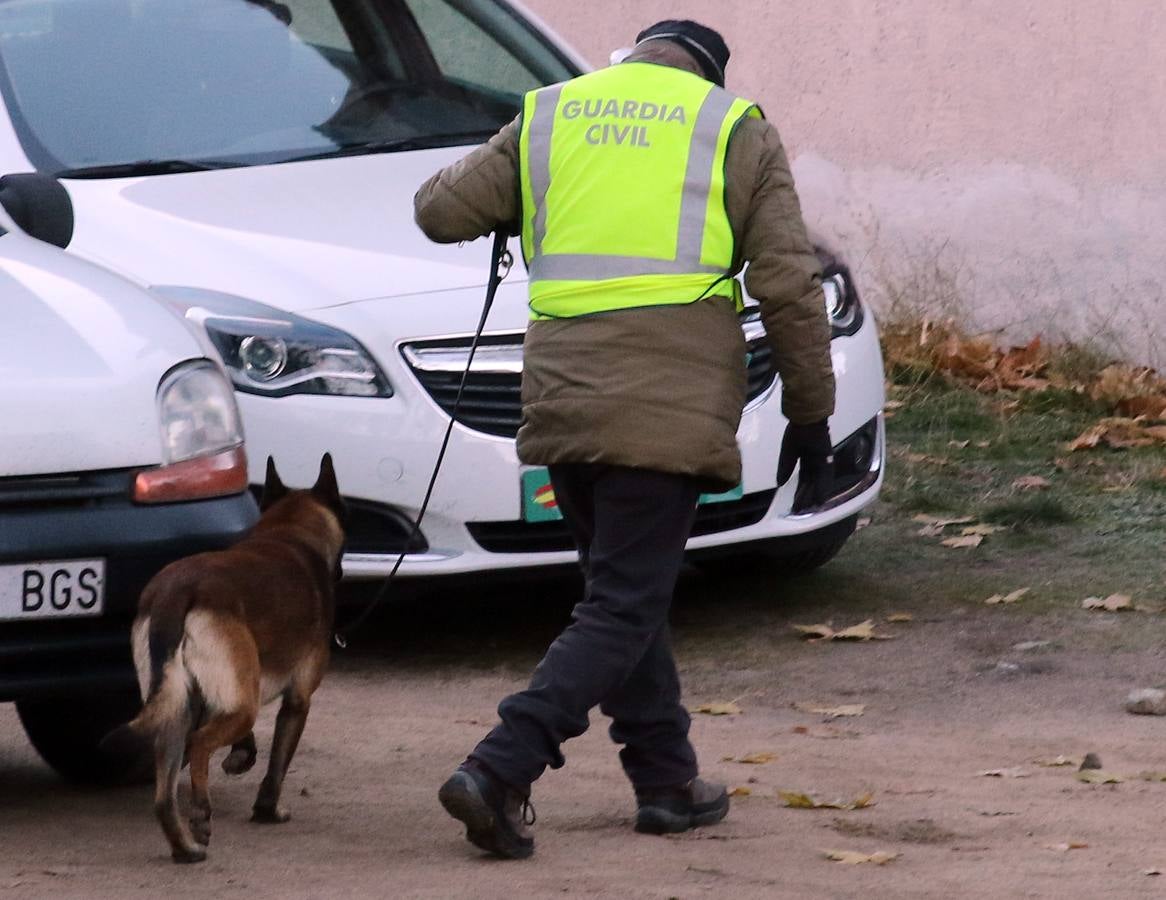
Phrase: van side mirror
[40,205]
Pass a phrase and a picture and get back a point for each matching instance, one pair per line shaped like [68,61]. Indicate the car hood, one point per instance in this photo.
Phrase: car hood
[81,356]
[298,236]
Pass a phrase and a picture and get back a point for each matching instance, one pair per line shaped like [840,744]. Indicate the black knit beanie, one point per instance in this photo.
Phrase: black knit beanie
[707,46]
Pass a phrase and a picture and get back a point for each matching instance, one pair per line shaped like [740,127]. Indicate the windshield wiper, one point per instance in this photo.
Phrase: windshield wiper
[416,142]
[147,167]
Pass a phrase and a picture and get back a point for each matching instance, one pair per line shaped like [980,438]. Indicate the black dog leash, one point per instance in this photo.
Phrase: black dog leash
[500,263]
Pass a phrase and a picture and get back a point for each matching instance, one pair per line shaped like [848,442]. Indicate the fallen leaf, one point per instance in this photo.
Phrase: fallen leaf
[934,520]
[1031,483]
[1067,846]
[753,759]
[1087,440]
[1150,407]
[1057,762]
[863,631]
[983,445]
[741,791]
[1120,434]
[800,729]
[1029,646]
[821,632]
[1151,776]
[983,529]
[1007,598]
[799,800]
[1098,776]
[832,712]
[1132,391]
[1112,603]
[852,858]
[1014,772]
[896,618]
[959,445]
[930,531]
[968,540]
[862,523]
[1151,871]
[719,709]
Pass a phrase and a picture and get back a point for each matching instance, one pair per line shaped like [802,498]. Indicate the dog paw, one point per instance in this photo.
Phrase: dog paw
[239,761]
[200,830]
[195,854]
[270,815]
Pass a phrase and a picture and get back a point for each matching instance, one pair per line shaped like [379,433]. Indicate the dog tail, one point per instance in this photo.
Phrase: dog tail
[164,632]
[170,693]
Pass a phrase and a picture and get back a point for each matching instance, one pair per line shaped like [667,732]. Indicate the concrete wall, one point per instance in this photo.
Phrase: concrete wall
[1005,159]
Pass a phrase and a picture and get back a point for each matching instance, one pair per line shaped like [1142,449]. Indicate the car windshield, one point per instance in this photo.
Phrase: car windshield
[109,87]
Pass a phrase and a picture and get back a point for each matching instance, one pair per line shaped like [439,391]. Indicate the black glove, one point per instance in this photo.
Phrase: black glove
[810,445]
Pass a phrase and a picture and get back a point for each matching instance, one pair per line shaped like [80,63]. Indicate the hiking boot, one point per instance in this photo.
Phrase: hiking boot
[675,809]
[495,814]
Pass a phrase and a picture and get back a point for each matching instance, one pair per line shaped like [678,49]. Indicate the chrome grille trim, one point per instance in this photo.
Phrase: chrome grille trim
[492,401]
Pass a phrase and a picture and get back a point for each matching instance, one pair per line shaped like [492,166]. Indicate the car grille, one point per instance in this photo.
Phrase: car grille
[545,537]
[492,401]
[79,489]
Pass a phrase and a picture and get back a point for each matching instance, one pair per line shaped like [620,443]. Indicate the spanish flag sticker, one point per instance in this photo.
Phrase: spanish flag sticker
[545,497]
[538,497]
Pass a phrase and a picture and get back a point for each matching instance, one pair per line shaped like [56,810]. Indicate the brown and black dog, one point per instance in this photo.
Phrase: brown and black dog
[220,634]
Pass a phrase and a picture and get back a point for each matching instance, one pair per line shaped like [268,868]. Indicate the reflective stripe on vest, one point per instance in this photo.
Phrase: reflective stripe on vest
[622,177]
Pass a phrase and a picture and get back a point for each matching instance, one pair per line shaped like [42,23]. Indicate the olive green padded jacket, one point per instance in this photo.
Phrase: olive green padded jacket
[659,388]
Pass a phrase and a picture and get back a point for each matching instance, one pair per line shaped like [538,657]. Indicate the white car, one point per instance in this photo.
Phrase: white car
[120,451]
[255,161]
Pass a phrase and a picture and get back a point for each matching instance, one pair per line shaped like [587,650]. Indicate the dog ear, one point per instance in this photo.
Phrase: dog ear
[325,487]
[273,489]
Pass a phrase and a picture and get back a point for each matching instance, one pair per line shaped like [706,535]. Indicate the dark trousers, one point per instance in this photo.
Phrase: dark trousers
[630,526]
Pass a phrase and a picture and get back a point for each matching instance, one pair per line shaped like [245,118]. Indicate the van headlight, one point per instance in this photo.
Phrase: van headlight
[202,438]
[196,412]
[273,353]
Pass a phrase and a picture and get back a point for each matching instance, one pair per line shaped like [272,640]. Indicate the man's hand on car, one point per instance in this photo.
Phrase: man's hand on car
[810,445]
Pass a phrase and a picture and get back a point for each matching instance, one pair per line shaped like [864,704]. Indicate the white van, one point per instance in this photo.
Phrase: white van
[121,450]
[225,149]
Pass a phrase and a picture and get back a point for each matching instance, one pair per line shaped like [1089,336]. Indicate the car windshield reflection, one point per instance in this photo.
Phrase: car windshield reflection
[106,86]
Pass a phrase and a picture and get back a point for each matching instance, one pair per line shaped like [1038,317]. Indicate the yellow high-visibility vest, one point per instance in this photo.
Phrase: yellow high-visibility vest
[623,190]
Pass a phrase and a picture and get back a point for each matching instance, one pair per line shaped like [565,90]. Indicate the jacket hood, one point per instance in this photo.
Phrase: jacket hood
[666,53]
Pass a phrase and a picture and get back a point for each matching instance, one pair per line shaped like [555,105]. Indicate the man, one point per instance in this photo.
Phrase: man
[640,191]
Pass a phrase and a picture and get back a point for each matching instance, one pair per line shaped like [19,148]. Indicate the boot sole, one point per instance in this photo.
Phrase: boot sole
[654,820]
[462,800]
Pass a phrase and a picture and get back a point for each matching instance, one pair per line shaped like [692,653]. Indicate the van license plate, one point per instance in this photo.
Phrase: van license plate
[53,589]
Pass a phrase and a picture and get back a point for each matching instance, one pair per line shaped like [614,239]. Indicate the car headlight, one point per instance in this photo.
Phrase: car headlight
[842,305]
[274,353]
[202,438]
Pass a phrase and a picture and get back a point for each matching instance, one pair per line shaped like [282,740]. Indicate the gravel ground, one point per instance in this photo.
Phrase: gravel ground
[947,699]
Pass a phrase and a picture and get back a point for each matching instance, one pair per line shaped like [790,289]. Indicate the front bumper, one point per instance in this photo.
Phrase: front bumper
[59,656]
[385,449]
